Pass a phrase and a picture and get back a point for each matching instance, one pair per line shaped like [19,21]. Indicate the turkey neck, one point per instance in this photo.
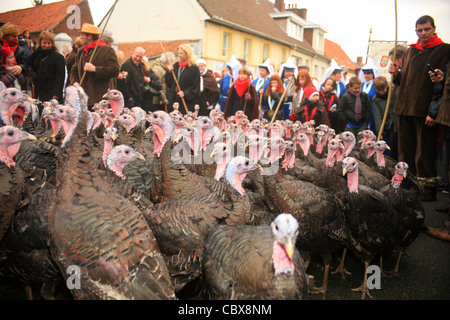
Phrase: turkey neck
[79,170]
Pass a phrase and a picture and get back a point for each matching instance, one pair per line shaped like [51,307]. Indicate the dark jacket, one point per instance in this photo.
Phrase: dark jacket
[48,70]
[133,85]
[95,84]
[416,89]
[235,103]
[320,114]
[443,116]
[70,58]
[346,109]
[151,90]
[210,94]
[189,80]
[379,106]
[271,104]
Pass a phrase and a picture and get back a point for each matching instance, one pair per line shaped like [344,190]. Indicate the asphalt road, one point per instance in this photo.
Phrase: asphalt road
[425,275]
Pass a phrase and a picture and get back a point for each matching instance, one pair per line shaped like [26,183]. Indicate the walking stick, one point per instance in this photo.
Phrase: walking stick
[391,80]
[281,100]
[98,41]
[260,99]
[176,81]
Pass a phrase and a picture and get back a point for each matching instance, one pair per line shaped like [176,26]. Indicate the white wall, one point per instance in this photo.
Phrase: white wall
[152,20]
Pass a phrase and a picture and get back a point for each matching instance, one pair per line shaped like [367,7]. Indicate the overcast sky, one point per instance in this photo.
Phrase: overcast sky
[348,22]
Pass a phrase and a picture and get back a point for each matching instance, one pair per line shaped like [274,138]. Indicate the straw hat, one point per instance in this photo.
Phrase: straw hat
[89,29]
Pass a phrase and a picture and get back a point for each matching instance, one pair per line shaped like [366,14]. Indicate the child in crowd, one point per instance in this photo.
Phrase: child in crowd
[331,101]
[303,81]
[9,61]
[379,102]
[272,98]
[311,108]
[354,107]
[242,96]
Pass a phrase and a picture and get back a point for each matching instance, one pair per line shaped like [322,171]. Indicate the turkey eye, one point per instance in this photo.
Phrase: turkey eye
[127,151]
[10,133]
[224,148]
[246,163]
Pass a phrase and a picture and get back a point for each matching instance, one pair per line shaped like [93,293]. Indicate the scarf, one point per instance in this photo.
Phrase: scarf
[241,86]
[358,107]
[313,113]
[12,44]
[433,42]
[182,65]
[38,58]
[328,103]
[92,46]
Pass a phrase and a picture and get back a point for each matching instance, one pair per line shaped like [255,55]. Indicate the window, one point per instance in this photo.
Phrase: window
[247,48]
[295,30]
[226,44]
[266,51]
[283,55]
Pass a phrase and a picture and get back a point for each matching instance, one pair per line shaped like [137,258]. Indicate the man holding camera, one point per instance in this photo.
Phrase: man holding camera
[417,131]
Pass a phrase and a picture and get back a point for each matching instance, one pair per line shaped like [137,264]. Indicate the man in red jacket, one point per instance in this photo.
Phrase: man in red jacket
[417,132]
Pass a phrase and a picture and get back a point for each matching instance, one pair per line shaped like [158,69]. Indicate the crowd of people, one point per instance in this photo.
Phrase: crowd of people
[416,120]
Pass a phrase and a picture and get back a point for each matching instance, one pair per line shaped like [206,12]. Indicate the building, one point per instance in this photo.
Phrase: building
[334,51]
[253,30]
[58,17]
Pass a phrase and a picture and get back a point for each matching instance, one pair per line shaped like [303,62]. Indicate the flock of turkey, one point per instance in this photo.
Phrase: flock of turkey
[143,205]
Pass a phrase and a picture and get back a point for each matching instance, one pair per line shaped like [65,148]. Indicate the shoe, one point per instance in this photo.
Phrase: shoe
[443,209]
[438,233]
[446,189]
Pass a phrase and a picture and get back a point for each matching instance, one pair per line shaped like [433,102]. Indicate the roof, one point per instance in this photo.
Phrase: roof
[39,18]
[334,51]
[251,16]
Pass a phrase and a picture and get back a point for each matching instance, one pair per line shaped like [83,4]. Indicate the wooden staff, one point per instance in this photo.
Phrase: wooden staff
[98,41]
[176,81]
[391,80]
[281,100]
[260,98]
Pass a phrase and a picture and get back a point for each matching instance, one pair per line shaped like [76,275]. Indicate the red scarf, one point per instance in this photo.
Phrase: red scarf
[182,65]
[12,44]
[433,42]
[92,46]
[327,104]
[313,113]
[241,86]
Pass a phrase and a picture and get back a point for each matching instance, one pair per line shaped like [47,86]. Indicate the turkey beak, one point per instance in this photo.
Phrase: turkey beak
[105,96]
[212,155]
[148,130]
[388,147]
[30,137]
[246,145]
[344,171]
[141,157]
[289,247]
[404,174]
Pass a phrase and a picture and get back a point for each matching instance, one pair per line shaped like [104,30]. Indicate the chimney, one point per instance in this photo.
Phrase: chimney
[300,12]
[359,61]
[279,4]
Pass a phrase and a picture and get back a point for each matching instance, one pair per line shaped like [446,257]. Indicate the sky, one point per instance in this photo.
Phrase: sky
[348,22]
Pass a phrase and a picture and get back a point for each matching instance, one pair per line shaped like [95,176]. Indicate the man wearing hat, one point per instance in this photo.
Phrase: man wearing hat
[100,70]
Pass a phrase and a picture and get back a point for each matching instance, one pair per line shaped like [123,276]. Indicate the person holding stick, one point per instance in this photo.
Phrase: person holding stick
[417,132]
[94,70]
[183,79]
[242,96]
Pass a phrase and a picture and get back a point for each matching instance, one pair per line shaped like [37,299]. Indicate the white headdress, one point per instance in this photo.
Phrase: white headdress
[235,66]
[267,66]
[333,66]
[288,65]
[369,66]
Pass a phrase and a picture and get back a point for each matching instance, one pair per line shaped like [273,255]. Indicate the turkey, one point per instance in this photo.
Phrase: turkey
[319,213]
[98,231]
[182,226]
[410,213]
[12,182]
[255,262]
[371,219]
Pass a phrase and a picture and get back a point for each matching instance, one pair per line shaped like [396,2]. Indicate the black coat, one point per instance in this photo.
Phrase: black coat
[148,94]
[189,80]
[49,70]
[346,109]
[210,94]
[133,85]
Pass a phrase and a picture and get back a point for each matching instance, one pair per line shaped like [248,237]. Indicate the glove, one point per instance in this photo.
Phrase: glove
[248,96]
[293,116]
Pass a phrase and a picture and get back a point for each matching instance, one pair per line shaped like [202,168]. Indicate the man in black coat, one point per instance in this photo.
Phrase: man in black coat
[135,78]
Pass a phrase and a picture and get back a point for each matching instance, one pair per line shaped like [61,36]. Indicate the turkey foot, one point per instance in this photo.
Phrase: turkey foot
[363,288]
[341,268]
